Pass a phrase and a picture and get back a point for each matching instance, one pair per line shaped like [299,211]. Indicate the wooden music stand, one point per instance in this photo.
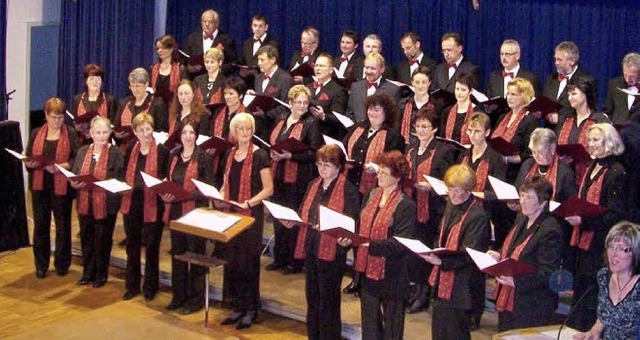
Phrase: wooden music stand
[223,236]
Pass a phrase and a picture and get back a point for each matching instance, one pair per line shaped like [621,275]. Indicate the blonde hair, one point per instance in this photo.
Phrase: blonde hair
[460,176]
[524,88]
[297,90]
[241,117]
[376,57]
[142,118]
[613,144]
[215,54]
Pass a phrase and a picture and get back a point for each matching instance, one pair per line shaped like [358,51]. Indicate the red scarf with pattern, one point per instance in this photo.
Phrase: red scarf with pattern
[582,238]
[127,116]
[63,150]
[451,124]
[327,244]
[551,175]
[422,196]
[506,132]
[150,167]
[375,227]
[405,128]
[174,76]
[102,111]
[99,195]
[568,126]
[368,180]
[290,167]
[482,172]
[244,192]
[187,184]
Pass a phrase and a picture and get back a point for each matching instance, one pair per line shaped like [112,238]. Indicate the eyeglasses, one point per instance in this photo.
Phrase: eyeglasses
[506,54]
[325,165]
[307,43]
[618,249]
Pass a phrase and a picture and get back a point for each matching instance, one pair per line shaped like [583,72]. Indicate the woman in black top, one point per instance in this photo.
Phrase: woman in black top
[210,85]
[167,72]
[93,100]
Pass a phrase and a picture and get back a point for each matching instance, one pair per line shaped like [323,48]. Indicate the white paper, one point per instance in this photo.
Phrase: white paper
[285,104]
[184,53]
[628,92]
[504,191]
[482,260]
[414,245]
[401,84]
[150,90]
[247,99]
[466,146]
[481,97]
[375,167]
[437,185]
[295,66]
[344,120]
[261,140]
[202,138]
[328,140]
[281,212]
[160,137]
[149,180]
[338,73]
[211,191]
[553,205]
[16,155]
[113,185]
[70,115]
[65,172]
[209,220]
[330,219]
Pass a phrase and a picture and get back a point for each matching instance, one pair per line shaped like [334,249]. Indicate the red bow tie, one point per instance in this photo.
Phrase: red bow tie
[370,85]
[343,59]
[208,36]
[561,77]
[266,77]
[413,62]
[452,65]
[304,54]
[510,74]
[317,84]
[255,40]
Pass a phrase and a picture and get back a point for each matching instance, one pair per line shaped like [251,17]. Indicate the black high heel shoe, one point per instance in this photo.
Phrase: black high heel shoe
[233,318]
[247,320]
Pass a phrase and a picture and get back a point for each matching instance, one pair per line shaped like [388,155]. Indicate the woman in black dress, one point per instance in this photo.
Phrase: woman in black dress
[97,208]
[247,179]
[210,85]
[93,99]
[185,163]
[142,209]
[49,189]
[167,72]
[454,122]
[292,172]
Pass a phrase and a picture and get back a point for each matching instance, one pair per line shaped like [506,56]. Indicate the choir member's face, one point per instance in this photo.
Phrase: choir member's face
[347,45]
[421,83]
[54,120]
[410,49]
[231,97]
[477,134]
[185,95]
[323,69]
[100,133]
[620,256]
[543,154]
[244,132]
[259,28]
[515,98]
[424,130]
[144,132]
[386,179]
[631,74]
[209,24]
[308,42]
[299,105]
[212,65]
[451,50]
[376,115]
[188,136]
[327,170]
[564,64]
[94,83]
[509,56]
[576,98]
[456,195]
[530,205]
[462,92]
[373,70]
[370,46]
[162,52]
[138,90]
[595,141]
[265,63]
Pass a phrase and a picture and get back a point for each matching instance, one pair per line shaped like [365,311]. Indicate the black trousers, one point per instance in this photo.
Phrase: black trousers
[96,237]
[450,323]
[44,203]
[322,288]
[242,271]
[188,285]
[139,234]
[285,245]
[381,318]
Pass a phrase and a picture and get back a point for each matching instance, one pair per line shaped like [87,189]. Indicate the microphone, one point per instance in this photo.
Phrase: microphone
[575,306]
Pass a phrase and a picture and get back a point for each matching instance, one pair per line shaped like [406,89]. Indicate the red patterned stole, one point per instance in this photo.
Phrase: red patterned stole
[451,124]
[375,227]
[221,120]
[174,76]
[290,167]
[506,132]
[368,180]
[150,167]
[127,116]
[551,175]
[422,196]
[504,294]
[447,278]
[482,172]
[582,238]
[327,244]
[63,150]
[244,192]
[187,184]
[99,195]
[405,128]
[569,125]
[102,111]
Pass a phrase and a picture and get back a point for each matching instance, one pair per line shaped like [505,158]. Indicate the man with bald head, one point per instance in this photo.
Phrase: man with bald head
[444,75]
[511,68]
[619,105]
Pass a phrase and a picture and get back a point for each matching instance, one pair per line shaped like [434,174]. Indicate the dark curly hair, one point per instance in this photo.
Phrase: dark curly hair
[396,162]
[585,87]
[430,114]
[387,103]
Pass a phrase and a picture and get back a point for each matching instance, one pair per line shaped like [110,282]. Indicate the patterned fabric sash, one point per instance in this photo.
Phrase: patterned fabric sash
[99,195]
[482,172]
[63,150]
[187,184]
[368,180]
[127,116]
[244,192]
[551,175]
[582,238]
[102,111]
[174,77]
[422,196]
[290,167]
[150,167]
[568,126]
[506,132]
[451,124]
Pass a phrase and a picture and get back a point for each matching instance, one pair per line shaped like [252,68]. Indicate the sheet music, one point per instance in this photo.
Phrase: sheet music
[149,180]
[328,140]
[553,205]
[282,103]
[281,212]
[201,139]
[65,172]
[247,99]
[344,120]
[113,185]
[329,219]
[160,137]
[414,245]
[207,190]
[70,115]
[16,154]
[504,190]
[375,167]
[628,92]
[481,97]
[437,185]
[567,333]
[209,220]
[482,260]
[401,84]
[184,54]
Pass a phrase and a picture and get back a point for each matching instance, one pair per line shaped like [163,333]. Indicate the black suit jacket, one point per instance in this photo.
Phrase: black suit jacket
[616,105]
[332,97]
[495,87]
[403,70]
[352,64]
[202,81]
[552,85]
[193,47]
[389,72]
[278,87]
[355,109]
[247,57]
[297,59]
[441,75]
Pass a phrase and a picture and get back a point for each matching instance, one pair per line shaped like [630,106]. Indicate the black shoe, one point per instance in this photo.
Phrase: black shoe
[84,281]
[41,273]
[99,283]
[175,304]
[352,288]
[129,295]
[233,318]
[247,320]
[475,323]
[190,309]
[148,296]
[62,271]
[288,270]
[273,266]
[421,301]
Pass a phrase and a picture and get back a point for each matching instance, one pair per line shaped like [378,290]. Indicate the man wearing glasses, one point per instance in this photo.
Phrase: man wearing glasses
[308,53]
[510,60]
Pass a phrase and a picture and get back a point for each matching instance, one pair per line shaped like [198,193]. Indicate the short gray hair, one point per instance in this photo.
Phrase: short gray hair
[512,42]
[570,48]
[139,76]
[631,59]
[542,137]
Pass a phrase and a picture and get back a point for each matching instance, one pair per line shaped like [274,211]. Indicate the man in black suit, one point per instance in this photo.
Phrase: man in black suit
[273,82]
[619,105]
[566,56]
[412,49]
[510,60]
[259,27]
[309,40]
[374,82]
[350,57]
[444,75]
[326,97]
[372,44]
[211,36]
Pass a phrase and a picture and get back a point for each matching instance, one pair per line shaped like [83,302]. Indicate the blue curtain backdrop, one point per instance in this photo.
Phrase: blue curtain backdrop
[116,34]
[3,58]
[604,30]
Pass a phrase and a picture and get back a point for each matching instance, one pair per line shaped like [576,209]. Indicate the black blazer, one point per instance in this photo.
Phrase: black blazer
[115,169]
[552,85]
[247,57]
[566,185]
[158,111]
[201,83]
[278,87]
[355,107]
[297,58]
[403,70]
[441,75]
[352,64]
[112,106]
[332,97]
[616,105]
[495,87]
[358,71]
[193,47]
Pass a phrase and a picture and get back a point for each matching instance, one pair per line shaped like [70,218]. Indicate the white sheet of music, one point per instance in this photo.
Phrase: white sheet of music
[414,245]
[553,205]
[211,191]
[482,260]
[328,140]
[247,99]
[149,180]
[202,138]
[285,104]
[329,219]
[113,185]
[503,190]
[281,212]
[160,137]
[401,84]
[567,333]
[209,220]
[65,172]
[481,97]
[344,120]
[437,185]
[16,154]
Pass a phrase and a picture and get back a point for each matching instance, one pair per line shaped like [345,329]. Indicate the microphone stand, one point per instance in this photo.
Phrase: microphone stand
[575,306]
[7,98]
